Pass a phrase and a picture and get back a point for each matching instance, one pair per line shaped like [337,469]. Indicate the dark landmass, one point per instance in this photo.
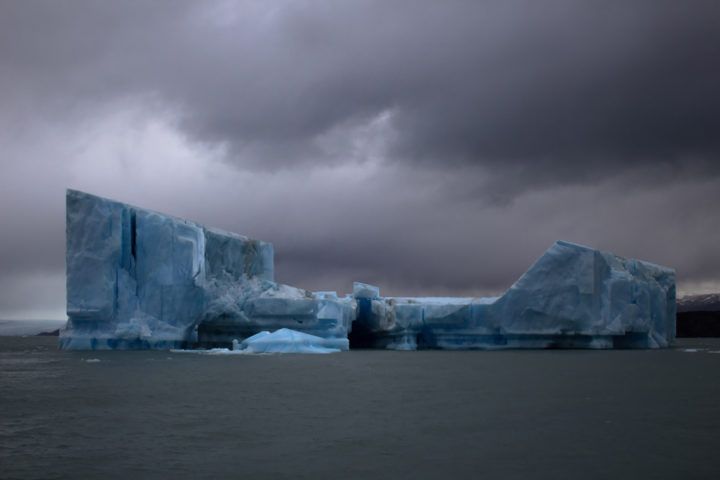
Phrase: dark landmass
[698,316]
[20,328]
[698,324]
[50,333]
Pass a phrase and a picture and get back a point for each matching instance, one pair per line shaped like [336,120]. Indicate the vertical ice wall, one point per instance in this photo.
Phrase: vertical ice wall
[141,279]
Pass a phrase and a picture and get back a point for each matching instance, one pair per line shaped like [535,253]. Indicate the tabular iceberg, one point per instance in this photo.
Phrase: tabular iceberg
[139,279]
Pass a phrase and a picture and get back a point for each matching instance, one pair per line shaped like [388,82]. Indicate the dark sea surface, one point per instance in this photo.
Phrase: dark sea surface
[360,414]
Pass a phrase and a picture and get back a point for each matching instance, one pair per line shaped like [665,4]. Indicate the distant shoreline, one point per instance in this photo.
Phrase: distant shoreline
[19,328]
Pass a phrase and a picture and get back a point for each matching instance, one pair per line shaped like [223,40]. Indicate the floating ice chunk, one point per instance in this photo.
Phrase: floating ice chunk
[283,340]
[209,351]
[286,340]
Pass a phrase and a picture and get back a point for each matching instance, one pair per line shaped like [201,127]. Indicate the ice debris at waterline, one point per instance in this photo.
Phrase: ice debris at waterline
[138,279]
[283,340]
[286,340]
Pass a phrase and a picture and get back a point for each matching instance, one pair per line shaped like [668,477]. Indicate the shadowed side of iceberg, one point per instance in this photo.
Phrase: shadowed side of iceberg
[285,340]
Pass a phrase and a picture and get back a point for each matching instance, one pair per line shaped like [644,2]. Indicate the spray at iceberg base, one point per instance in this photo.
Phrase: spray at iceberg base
[137,279]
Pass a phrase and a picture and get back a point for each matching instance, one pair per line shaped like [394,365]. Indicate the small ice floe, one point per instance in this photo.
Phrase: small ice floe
[286,340]
[283,340]
[713,351]
[92,360]
[691,350]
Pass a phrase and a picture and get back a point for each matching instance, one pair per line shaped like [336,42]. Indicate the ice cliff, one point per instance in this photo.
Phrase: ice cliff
[139,279]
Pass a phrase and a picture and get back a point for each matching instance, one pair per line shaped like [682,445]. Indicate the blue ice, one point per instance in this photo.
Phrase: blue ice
[572,297]
[140,279]
[286,340]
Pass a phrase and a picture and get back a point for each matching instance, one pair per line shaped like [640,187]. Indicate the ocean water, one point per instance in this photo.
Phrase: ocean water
[360,414]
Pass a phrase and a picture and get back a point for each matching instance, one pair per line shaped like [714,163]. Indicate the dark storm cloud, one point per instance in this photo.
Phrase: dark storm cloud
[431,147]
[536,92]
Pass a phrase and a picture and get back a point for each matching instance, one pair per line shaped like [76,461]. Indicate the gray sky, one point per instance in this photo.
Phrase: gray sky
[427,147]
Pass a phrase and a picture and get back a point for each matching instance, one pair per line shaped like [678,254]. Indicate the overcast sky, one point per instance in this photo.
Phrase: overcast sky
[427,147]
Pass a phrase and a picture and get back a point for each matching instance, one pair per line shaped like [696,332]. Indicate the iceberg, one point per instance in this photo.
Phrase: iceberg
[572,297]
[138,279]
